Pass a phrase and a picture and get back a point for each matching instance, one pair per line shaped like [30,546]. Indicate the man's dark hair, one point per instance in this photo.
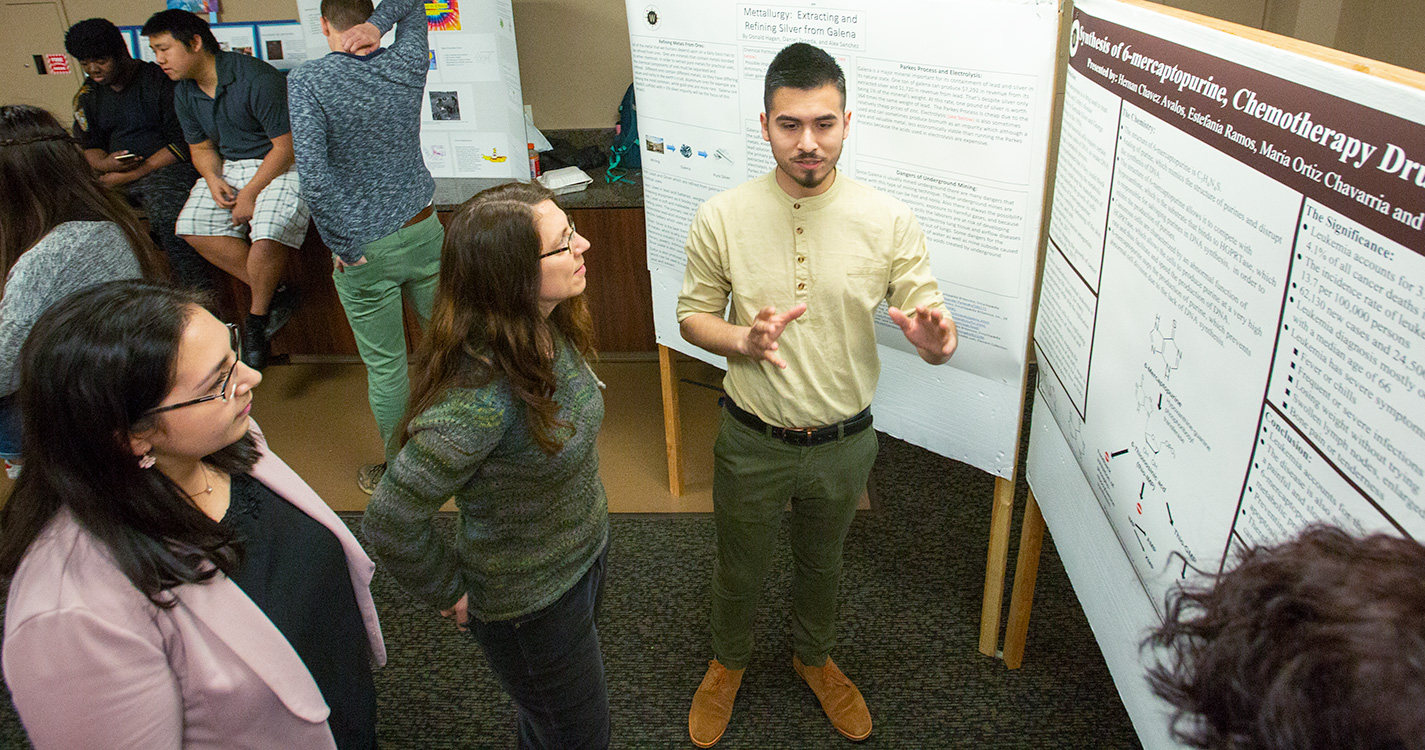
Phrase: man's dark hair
[343,14]
[802,66]
[95,38]
[1313,644]
[183,26]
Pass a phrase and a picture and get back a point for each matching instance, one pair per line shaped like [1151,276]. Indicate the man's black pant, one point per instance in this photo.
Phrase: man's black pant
[162,194]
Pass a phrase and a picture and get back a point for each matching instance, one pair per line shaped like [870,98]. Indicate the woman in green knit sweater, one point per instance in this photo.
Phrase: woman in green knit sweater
[503,417]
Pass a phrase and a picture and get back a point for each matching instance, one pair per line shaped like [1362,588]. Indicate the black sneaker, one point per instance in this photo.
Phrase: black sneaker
[285,301]
[254,342]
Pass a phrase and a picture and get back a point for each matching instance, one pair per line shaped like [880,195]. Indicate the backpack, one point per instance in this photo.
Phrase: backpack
[625,153]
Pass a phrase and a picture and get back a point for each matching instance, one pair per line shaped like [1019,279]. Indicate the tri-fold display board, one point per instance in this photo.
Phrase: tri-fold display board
[1229,335]
[472,113]
[1230,331]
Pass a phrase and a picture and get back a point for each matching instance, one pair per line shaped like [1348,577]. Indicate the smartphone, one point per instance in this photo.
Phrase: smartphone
[128,157]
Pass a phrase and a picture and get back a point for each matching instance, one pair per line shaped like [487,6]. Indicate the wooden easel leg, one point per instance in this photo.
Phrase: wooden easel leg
[1026,572]
[995,564]
[672,426]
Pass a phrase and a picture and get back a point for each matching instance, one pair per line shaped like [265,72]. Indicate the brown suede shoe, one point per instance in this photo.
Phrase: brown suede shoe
[840,699]
[712,704]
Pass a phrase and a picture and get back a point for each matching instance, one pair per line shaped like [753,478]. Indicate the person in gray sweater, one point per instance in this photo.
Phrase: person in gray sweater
[60,231]
[504,417]
[356,131]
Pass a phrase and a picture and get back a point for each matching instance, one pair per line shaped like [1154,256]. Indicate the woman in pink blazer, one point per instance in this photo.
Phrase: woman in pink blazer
[173,584]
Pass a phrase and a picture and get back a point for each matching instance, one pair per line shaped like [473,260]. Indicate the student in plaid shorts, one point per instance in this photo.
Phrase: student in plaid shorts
[247,213]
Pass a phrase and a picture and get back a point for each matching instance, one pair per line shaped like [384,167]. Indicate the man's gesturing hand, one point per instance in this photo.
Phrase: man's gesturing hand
[762,335]
[932,332]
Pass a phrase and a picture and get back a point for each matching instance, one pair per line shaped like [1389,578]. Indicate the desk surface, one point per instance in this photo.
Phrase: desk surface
[450,192]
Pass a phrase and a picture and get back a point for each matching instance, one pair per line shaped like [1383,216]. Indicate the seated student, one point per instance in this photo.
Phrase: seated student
[247,214]
[1314,644]
[356,127]
[172,583]
[60,232]
[131,136]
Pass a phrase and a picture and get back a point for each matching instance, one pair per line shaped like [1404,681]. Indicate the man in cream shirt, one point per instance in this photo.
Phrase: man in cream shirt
[805,255]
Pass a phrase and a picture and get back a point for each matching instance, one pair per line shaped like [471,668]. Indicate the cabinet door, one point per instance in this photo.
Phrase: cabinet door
[619,293]
[26,30]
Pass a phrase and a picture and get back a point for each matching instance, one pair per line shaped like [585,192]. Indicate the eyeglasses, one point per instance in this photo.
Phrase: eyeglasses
[222,385]
[564,249]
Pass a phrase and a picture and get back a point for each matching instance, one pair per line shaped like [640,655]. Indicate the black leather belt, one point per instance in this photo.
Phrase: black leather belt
[804,437]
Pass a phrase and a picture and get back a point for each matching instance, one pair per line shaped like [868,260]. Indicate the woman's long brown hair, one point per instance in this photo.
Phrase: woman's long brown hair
[486,322]
[46,181]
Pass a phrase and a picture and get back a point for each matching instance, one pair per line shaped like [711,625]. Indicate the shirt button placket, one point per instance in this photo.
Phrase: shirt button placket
[801,271]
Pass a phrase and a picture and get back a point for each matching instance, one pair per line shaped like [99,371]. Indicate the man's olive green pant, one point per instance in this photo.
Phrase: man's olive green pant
[754,476]
[407,261]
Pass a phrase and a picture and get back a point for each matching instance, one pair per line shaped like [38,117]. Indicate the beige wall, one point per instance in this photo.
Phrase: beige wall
[574,60]
[574,55]
[1389,30]
[575,64]
[1245,12]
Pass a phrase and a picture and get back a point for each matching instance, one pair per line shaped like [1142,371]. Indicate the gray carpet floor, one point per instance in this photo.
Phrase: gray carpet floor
[909,628]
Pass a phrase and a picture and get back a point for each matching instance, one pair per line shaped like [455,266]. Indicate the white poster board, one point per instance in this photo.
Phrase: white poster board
[951,103]
[472,112]
[283,44]
[1230,336]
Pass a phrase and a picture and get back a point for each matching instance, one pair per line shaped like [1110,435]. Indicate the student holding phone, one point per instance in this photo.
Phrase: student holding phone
[125,121]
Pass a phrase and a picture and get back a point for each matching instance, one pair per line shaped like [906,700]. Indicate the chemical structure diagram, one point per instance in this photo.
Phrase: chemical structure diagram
[1149,510]
[1149,402]
[1148,393]
[1165,345]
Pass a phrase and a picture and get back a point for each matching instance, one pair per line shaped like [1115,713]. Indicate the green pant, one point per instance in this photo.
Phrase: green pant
[753,478]
[407,260]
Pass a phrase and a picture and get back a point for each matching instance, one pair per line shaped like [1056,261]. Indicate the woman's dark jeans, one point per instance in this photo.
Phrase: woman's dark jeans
[550,663]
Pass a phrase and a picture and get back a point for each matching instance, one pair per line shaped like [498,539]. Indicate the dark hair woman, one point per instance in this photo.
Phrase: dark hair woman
[172,582]
[60,231]
[1316,643]
[503,417]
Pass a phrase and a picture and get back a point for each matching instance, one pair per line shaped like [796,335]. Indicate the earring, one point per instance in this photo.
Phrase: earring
[146,461]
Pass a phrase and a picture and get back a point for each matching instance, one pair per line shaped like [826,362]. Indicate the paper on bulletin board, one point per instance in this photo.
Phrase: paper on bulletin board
[131,38]
[439,154]
[283,44]
[443,15]
[237,37]
[951,105]
[465,57]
